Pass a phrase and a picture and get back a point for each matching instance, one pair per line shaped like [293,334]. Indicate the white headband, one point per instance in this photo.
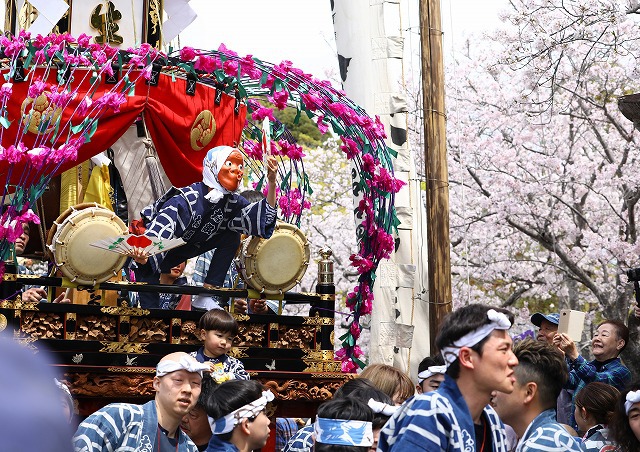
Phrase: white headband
[498,321]
[381,408]
[430,371]
[227,423]
[341,432]
[184,363]
[633,397]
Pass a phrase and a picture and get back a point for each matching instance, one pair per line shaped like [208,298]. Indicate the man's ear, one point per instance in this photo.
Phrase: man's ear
[156,383]
[244,426]
[531,391]
[465,357]
[620,344]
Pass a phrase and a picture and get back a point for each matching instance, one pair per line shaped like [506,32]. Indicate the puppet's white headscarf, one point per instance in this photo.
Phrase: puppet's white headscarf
[211,165]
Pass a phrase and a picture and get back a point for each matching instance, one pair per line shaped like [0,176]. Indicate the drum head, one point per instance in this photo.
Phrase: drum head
[69,243]
[275,265]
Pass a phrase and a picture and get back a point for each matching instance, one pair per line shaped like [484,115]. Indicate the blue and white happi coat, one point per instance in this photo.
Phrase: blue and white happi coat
[438,421]
[124,427]
[186,213]
[231,364]
[302,441]
[545,433]
[217,445]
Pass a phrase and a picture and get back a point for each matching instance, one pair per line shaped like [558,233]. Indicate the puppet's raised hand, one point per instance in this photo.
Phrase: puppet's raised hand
[272,169]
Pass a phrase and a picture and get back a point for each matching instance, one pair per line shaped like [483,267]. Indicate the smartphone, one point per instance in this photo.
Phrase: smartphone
[571,323]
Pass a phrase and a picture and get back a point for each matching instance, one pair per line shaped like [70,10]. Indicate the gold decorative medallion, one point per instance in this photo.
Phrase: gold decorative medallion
[41,118]
[202,130]
[3,322]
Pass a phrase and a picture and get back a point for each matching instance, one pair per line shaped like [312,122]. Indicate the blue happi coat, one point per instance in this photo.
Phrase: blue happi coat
[544,433]
[438,421]
[124,427]
[217,445]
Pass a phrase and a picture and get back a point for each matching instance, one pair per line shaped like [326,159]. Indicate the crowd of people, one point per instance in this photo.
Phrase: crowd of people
[480,392]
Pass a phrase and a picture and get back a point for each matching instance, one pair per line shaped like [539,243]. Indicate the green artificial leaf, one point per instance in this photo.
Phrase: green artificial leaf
[79,127]
[27,61]
[358,362]
[393,153]
[264,78]
[285,181]
[260,184]
[94,127]
[307,184]
[4,121]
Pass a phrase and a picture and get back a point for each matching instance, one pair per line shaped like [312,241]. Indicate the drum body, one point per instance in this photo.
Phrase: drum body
[273,266]
[69,242]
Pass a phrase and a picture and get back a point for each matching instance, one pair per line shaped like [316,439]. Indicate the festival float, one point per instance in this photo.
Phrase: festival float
[71,95]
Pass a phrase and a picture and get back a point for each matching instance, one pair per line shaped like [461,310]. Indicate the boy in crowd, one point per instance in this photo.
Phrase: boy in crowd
[430,373]
[530,407]
[218,328]
[475,343]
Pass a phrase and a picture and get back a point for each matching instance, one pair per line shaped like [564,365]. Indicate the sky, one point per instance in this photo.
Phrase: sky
[302,30]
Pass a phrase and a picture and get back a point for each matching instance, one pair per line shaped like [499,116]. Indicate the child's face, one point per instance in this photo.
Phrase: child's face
[259,431]
[216,343]
[634,419]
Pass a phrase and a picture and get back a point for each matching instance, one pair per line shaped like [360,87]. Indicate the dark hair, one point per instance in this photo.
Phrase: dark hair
[430,361]
[229,396]
[207,388]
[252,195]
[461,322]
[219,320]
[599,399]
[543,364]
[356,384]
[347,408]
[620,429]
[389,380]
[621,331]
[365,392]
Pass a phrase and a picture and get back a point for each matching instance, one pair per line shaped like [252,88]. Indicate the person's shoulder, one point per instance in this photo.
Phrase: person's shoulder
[550,435]
[301,441]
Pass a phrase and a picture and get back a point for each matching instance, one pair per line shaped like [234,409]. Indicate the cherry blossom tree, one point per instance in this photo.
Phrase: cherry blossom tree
[543,166]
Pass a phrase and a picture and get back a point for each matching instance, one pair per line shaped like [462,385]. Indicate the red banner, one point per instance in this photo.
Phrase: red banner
[182,127]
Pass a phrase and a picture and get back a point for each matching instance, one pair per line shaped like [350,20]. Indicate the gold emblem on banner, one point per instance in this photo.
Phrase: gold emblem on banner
[202,130]
[3,322]
[105,23]
[42,118]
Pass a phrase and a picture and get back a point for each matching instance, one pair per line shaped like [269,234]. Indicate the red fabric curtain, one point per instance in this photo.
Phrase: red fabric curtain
[181,126]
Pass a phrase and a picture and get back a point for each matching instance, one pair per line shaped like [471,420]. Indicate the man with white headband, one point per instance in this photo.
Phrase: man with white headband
[207,215]
[153,426]
[475,344]
[236,411]
[430,373]
[346,423]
